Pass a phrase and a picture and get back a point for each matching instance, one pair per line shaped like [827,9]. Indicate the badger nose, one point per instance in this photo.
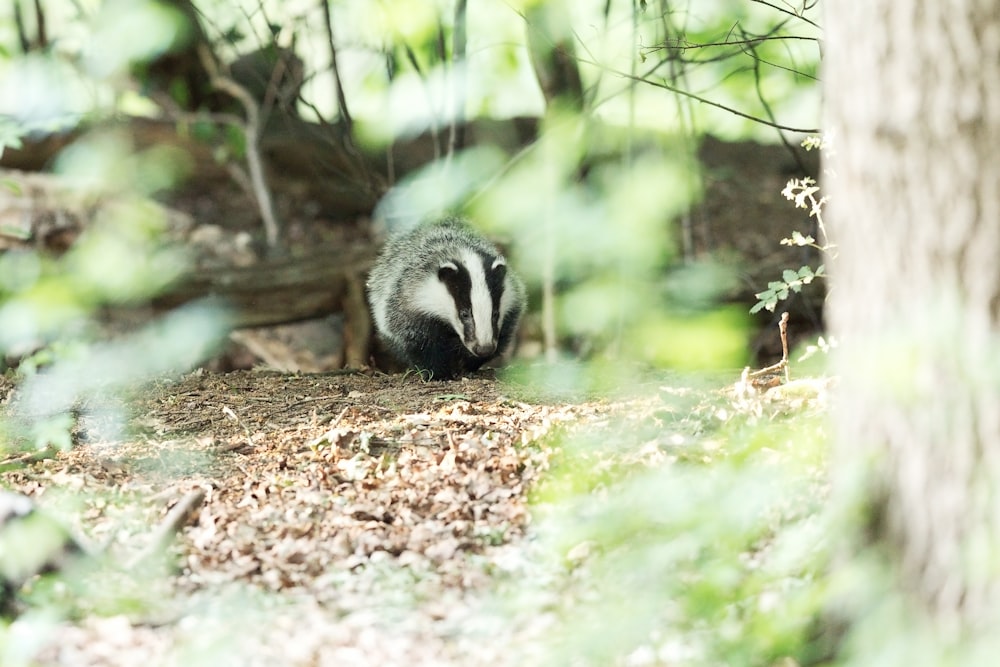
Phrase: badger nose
[484,349]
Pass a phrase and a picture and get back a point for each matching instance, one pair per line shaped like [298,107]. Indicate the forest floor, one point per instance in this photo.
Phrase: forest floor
[336,519]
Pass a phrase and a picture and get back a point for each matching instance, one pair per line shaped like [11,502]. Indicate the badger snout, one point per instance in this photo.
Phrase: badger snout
[484,350]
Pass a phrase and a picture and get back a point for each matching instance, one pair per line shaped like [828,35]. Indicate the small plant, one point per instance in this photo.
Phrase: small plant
[803,191]
[424,374]
[791,281]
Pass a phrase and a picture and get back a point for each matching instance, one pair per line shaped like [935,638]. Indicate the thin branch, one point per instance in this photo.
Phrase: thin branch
[22,32]
[686,118]
[678,45]
[249,17]
[758,88]
[793,72]
[784,10]
[684,45]
[456,137]
[435,131]
[251,129]
[783,332]
[43,37]
[442,58]
[751,50]
[440,43]
[390,158]
[22,459]
[175,113]
[172,524]
[703,100]
[345,114]
[590,95]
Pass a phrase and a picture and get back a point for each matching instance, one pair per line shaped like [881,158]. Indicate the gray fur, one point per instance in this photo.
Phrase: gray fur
[410,289]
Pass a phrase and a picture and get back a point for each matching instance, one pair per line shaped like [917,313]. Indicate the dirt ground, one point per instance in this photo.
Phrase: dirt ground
[337,519]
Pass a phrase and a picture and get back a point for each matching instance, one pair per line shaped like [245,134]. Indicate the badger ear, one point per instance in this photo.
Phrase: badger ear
[446,270]
[499,267]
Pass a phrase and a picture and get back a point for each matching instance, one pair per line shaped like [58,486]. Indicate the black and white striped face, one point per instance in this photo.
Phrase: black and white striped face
[468,292]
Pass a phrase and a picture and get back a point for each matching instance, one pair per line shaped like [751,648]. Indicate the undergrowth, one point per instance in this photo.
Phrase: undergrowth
[695,538]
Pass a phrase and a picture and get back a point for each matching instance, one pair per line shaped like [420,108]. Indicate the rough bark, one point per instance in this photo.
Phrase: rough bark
[914,115]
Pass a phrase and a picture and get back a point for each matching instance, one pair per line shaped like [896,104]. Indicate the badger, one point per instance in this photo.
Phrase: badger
[443,299]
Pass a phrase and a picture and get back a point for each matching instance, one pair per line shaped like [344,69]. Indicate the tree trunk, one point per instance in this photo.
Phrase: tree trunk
[913,99]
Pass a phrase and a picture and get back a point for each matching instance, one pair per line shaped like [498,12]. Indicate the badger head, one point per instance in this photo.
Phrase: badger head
[468,292]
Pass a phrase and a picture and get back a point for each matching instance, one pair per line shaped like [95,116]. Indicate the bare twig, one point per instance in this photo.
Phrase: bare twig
[769,370]
[781,365]
[441,43]
[674,89]
[783,331]
[684,45]
[677,45]
[390,156]
[686,118]
[43,38]
[178,515]
[358,168]
[345,113]
[251,129]
[758,88]
[174,112]
[785,10]
[336,420]
[22,32]
[29,457]
[456,135]
[435,130]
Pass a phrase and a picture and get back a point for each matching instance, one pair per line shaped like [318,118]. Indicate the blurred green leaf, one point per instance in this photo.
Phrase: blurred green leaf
[126,31]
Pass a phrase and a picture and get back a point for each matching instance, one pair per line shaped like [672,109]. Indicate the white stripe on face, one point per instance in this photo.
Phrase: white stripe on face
[482,301]
[433,298]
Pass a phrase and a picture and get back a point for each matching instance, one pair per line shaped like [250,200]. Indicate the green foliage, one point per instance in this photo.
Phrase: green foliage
[46,537]
[779,290]
[699,541]
[422,374]
[10,134]
[804,193]
[80,579]
[50,305]
[123,32]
